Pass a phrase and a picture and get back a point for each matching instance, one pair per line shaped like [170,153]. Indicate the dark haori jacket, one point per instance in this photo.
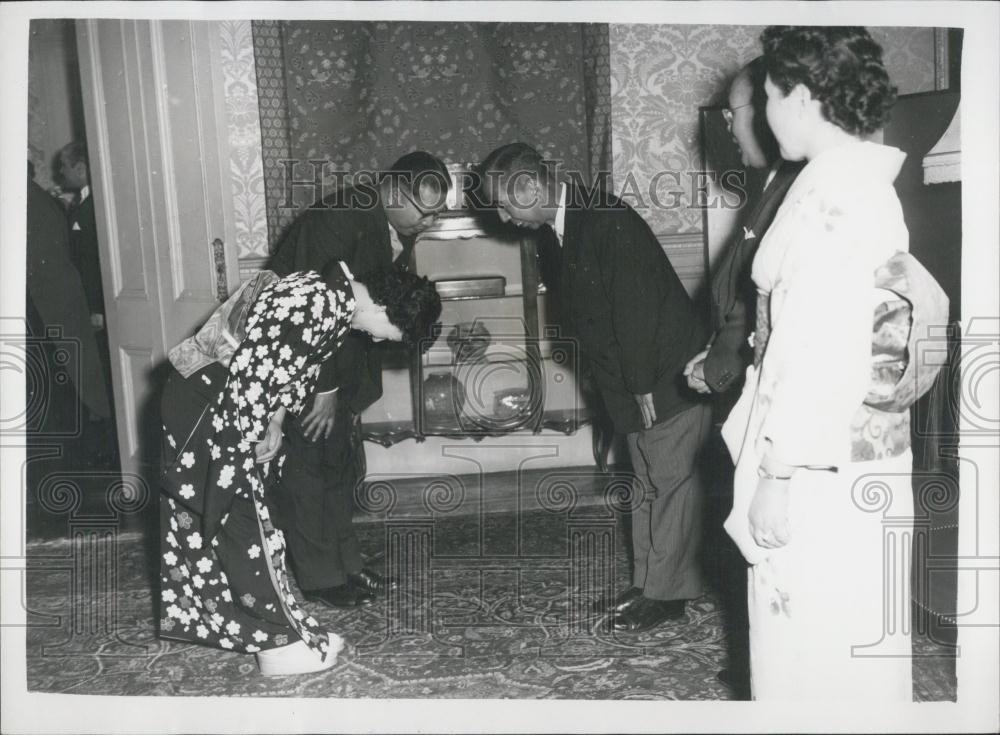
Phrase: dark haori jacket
[733,293]
[620,297]
[349,225]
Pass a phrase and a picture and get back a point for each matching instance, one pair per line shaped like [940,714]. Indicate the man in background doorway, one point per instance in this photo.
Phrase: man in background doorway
[73,176]
[55,300]
[368,227]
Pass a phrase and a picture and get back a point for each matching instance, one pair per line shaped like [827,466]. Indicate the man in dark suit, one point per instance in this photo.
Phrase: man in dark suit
[55,299]
[721,365]
[719,368]
[368,227]
[73,174]
[637,327]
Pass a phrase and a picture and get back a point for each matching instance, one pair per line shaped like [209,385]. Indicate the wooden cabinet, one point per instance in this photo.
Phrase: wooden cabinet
[499,362]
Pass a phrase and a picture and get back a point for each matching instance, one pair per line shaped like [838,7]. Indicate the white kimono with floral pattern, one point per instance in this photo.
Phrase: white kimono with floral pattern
[829,611]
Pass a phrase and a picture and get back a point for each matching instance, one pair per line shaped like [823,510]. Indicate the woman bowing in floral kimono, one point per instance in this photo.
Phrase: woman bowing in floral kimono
[822,484]
[223,576]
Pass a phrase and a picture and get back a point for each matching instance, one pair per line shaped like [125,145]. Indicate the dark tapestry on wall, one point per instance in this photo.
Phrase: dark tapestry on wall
[360,94]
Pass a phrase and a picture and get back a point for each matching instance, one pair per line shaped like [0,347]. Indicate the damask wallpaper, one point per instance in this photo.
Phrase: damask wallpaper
[597,96]
[625,97]
[269,55]
[243,127]
[662,74]
[362,94]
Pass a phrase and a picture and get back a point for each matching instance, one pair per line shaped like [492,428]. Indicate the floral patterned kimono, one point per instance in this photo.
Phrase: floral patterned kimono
[223,578]
[829,611]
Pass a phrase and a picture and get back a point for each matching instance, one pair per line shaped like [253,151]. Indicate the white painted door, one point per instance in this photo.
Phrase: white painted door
[153,102]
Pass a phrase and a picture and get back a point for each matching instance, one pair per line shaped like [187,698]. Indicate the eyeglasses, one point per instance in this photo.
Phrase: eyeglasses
[727,114]
[425,213]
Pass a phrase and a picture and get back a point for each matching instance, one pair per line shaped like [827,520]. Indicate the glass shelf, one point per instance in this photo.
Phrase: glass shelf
[389,433]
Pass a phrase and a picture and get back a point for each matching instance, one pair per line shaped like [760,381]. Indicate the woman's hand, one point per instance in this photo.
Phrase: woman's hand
[268,448]
[769,514]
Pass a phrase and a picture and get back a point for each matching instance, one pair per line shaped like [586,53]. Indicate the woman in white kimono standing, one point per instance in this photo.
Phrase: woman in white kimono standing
[823,505]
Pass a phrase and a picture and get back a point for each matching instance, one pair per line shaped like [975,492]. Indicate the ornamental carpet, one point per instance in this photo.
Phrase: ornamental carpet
[492,606]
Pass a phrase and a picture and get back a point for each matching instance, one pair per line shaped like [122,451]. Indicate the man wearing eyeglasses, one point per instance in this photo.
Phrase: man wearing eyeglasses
[721,365]
[368,227]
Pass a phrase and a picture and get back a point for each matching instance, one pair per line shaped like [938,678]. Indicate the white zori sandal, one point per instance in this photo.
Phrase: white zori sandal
[298,658]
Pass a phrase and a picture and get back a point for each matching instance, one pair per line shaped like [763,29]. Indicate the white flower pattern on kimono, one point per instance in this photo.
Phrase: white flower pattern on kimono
[226,476]
[277,364]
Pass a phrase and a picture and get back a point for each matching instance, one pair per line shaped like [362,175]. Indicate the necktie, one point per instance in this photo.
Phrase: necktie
[550,257]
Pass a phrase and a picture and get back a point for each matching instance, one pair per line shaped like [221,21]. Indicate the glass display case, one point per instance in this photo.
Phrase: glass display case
[498,362]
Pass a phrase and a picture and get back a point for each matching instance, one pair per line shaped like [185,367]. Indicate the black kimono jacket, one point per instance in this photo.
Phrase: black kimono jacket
[349,225]
[620,297]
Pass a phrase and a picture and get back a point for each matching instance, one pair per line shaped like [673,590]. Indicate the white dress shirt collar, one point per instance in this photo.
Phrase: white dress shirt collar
[560,224]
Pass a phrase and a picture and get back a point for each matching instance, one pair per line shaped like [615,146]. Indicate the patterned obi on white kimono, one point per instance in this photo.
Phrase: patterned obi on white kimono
[806,403]
[905,362]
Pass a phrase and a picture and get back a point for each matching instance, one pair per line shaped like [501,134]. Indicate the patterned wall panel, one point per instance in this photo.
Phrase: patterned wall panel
[909,57]
[270,62]
[361,94]
[37,153]
[662,74]
[597,95]
[243,123]
[55,107]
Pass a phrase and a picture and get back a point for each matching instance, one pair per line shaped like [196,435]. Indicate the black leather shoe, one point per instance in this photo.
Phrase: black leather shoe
[372,582]
[646,614]
[625,600]
[344,595]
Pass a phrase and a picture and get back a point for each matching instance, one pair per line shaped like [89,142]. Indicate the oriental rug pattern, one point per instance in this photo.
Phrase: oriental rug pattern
[510,624]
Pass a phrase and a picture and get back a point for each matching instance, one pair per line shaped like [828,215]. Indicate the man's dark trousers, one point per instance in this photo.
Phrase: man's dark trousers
[316,493]
[317,507]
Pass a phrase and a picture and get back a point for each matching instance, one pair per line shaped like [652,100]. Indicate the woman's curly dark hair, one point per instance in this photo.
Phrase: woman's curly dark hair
[842,68]
[411,302]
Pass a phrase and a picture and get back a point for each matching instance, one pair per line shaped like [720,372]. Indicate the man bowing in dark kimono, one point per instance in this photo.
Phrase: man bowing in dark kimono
[368,227]
[637,327]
